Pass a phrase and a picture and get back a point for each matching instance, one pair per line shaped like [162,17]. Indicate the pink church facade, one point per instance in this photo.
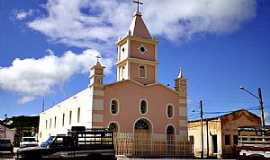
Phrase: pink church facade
[137,95]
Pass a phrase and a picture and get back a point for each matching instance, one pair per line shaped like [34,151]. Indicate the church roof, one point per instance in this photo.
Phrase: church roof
[138,27]
[226,115]
[141,85]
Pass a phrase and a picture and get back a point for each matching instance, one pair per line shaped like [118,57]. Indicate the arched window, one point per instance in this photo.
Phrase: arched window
[63,120]
[170,130]
[142,124]
[113,127]
[78,115]
[142,71]
[123,73]
[170,138]
[143,107]
[170,111]
[70,117]
[114,106]
[55,122]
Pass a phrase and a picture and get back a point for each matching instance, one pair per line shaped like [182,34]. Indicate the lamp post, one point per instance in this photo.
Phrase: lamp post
[258,97]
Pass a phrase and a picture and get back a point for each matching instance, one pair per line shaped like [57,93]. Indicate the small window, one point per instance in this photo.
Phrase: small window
[113,127]
[78,115]
[123,73]
[142,71]
[50,123]
[70,117]
[114,107]
[143,107]
[227,139]
[55,122]
[191,139]
[46,124]
[63,120]
[170,111]
[142,49]
[235,139]
[100,81]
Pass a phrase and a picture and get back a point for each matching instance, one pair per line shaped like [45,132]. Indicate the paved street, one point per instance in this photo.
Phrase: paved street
[10,157]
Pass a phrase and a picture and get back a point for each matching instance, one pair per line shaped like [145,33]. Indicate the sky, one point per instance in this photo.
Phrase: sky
[47,47]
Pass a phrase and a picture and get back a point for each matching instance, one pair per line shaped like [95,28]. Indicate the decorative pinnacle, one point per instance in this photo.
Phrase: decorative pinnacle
[180,75]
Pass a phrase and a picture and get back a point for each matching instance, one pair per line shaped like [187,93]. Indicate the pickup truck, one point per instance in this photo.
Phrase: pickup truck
[253,143]
[94,144]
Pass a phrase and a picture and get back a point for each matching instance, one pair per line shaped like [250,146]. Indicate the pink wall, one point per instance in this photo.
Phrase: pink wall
[149,55]
[150,73]
[129,94]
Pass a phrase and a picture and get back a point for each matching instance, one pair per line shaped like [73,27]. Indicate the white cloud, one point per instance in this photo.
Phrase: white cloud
[89,23]
[31,77]
[21,15]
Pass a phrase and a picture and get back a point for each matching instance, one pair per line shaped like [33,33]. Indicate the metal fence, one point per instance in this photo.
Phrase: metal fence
[147,145]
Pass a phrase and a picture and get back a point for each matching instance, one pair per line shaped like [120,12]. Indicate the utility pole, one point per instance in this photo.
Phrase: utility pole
[258,97]
[201,112]
[43,104]
[261,107]
[207,137]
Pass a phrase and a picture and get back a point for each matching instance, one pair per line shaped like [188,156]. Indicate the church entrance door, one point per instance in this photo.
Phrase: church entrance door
[170,140]
[142,137]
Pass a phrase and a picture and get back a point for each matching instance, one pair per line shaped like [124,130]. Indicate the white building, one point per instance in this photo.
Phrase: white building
[74,111]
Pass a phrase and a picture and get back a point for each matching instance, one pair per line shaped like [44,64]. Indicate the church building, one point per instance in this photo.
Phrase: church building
[136,103]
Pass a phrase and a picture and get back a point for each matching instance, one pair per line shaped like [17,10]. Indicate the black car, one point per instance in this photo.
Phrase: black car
[94,144]
[5,145]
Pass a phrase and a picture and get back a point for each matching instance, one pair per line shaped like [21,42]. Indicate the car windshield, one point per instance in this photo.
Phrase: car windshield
[4,141]
[29,140]
[48,142]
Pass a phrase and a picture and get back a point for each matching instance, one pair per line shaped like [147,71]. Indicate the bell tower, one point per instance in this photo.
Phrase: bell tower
[137,53]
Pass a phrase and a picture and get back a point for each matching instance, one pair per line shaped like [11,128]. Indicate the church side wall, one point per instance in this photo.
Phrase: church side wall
[80,108]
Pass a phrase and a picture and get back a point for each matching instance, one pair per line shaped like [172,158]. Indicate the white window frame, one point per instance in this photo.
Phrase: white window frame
[173,110]
[147,106]
[118,107]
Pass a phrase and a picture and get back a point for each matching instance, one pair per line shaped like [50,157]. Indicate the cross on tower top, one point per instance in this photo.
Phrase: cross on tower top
[138,5]
[98,57]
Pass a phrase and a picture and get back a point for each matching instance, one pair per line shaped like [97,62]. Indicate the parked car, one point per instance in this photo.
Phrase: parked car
[28,142]
[79,143]
[5,145]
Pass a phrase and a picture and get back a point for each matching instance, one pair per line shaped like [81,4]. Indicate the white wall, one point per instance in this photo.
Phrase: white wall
[82,100]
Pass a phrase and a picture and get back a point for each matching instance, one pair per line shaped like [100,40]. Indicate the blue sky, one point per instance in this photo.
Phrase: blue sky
[220,46]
